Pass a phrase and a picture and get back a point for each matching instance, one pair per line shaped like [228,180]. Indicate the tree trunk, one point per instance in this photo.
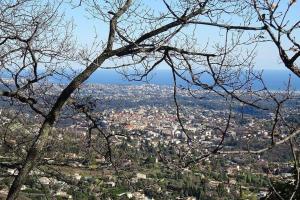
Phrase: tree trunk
[31,161]
[38,145]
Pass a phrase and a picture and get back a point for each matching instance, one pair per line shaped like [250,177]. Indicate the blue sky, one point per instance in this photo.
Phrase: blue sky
[85,27]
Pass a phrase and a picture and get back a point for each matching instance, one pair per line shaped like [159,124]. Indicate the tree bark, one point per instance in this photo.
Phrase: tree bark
[31,160]
[45,130]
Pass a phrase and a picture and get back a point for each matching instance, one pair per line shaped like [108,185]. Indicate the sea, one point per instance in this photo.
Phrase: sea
[274,79]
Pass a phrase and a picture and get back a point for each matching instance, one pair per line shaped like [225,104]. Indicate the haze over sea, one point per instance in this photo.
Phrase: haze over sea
[274,79]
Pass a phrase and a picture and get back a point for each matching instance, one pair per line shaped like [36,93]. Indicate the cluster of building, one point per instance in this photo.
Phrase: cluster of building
[160,123]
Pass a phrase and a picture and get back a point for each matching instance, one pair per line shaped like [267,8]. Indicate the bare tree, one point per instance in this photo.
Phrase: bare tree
[36,45]
[282,27]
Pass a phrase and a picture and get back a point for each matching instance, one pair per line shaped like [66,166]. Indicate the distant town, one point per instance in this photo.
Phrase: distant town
[130,145]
